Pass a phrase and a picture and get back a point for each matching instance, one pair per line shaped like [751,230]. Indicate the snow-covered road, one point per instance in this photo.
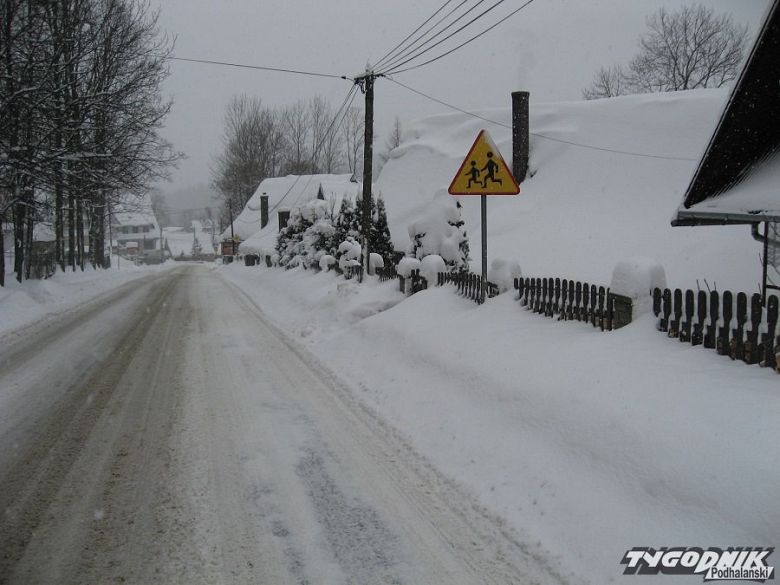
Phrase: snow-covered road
[167,433]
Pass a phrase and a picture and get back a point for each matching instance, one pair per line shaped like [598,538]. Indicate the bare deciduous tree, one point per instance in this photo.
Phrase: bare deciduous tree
[80,111]
[690,48]
[251,139]
[609,82]
[297,120]
[392,141]
[353,130]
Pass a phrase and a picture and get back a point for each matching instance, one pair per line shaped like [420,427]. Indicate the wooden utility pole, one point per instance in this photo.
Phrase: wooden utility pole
[366,84]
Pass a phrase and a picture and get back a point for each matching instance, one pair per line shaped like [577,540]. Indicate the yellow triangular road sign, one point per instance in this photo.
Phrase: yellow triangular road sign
[484,171]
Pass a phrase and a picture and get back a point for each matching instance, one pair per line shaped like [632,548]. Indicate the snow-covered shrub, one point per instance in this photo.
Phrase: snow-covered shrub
[312,232]
[327,262]
[309,234]
[345,223]
[406,265]
[379,239]
[430,266]
[289,241]
[441,232]
[376,261]
[349,252]
[503,273]
[636,277]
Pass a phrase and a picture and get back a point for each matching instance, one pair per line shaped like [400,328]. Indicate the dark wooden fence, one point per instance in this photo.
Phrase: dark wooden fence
[387,273]
[706,319]
[570,300]
[413,283]
[353,271]
[468,285]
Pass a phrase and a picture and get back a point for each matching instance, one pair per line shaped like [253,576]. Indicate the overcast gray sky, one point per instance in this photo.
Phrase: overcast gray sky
[551,48]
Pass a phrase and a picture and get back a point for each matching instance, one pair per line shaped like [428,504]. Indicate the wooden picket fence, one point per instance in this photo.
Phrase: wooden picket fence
[706,319]
[570,300]
[387,273]
[353,271]
[468,285]
[412,284]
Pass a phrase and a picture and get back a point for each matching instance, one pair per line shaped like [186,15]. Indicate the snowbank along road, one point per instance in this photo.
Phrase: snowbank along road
[167,433]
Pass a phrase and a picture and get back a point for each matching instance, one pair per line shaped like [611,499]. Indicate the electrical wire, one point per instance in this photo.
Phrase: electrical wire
[542,136]
[260,67]
[391,51]
[342,111]
[419,42]
[475,37]
[343,115]
[400,62]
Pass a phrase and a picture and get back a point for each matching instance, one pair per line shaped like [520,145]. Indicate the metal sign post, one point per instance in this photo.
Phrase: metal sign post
[484,172]
[484,247]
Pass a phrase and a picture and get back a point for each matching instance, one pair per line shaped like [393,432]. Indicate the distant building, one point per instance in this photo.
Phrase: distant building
[135,222]
[285,193]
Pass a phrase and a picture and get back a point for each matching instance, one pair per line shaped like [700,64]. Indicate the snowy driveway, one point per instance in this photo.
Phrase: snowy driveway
[167,433]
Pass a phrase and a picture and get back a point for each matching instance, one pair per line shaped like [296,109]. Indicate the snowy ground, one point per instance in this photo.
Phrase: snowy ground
[586,443]
[180,240]
[22,304]
[168,433]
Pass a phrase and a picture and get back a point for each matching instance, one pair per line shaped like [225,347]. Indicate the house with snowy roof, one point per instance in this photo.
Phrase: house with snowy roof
[134,226]
[736,181]
[267,210]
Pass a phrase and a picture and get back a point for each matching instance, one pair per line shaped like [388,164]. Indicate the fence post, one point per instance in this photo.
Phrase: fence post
[698,329]
[751,345]
[622,310]
[685,326]
[585,302]
[769,345]
[724,343]
[737,335]
[711,335]
[570,310]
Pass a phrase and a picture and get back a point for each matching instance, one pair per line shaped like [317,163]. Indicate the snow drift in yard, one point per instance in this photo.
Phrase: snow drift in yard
[581,210]
[586,443]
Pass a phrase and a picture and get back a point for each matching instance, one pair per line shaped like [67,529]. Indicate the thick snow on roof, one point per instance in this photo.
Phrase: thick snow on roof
[756,196]
[286,193]
[136,211]
[582,209]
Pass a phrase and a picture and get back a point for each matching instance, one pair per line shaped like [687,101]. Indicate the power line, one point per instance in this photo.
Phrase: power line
[391,51]
[342,111]
[419,42]
[542,136]
[260,67]
[438,101]
[475,37]
[403,61]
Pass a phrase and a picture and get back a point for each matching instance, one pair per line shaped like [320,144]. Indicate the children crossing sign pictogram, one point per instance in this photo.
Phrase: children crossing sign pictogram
[484,171]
